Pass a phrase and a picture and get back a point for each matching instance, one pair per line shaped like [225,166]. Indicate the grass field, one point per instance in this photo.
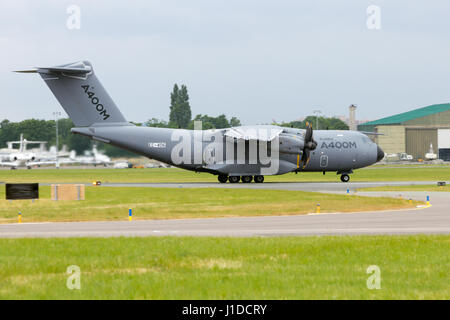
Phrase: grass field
[375,173]
[431,188]
[412,267]
[112,203]
[410,165]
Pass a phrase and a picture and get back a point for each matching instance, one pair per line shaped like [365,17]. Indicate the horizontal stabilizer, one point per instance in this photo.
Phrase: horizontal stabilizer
[71,68]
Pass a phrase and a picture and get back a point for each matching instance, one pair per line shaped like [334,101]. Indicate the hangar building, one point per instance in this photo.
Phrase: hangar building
[413,132]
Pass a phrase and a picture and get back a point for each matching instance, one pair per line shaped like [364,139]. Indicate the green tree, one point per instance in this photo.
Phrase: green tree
[218,122]
[337,124]
[207,122]
[78,143]
[235,122]
[180,110]
[112,151]
[153,122]
[324,123]
[9,131]
[44,130]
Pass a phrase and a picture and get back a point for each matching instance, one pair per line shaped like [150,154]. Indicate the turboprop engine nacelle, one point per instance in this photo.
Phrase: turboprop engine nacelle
[291,144]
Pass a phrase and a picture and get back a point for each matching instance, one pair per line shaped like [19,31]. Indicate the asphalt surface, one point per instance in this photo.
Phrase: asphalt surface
[430,220]
[296,186]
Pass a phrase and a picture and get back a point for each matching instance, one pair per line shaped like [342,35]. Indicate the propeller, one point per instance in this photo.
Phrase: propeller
[310,144]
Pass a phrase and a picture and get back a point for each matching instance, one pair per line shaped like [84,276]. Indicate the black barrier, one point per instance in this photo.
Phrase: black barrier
[20,191]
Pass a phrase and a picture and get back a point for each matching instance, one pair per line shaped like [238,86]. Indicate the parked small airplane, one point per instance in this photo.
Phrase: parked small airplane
[22,157]
[23,144]
[234,154]
[431,155]
[93,157]
[23,160]
[26,160]
[122,165]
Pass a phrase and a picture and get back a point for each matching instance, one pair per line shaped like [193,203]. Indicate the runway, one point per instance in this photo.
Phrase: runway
[295,186]
[431,220]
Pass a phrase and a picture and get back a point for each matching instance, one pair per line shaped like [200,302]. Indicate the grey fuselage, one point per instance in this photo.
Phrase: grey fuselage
[340,151]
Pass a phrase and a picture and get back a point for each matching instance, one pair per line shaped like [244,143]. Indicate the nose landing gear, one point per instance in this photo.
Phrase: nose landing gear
[345,175]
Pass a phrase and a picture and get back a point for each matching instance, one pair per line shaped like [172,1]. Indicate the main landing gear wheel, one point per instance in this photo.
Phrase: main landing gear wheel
[222,178]
[247,179]
[234,179]
[258,179]
[345,178]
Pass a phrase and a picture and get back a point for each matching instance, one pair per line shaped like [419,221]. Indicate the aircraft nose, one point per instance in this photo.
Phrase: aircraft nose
[380,153]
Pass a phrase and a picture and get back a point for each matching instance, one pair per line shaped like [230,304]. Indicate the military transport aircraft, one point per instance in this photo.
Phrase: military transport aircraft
[233,154]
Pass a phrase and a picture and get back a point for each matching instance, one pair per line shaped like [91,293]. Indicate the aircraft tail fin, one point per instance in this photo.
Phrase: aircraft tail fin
[81,94]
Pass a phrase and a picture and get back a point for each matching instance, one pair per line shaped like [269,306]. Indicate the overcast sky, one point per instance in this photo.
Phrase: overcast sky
[257,60]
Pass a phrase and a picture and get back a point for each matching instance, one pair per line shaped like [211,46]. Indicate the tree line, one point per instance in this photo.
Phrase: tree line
[43,130]
[180,116]
[321,123]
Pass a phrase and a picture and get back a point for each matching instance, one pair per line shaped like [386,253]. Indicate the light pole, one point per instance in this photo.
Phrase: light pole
[317,112]
[57,114]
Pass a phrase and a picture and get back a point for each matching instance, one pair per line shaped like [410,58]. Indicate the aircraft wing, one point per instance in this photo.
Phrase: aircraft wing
[9,164]
[261,133]
[67,161]
[40,163]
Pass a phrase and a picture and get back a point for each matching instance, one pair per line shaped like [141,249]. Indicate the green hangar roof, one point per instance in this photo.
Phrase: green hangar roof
[410,115]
